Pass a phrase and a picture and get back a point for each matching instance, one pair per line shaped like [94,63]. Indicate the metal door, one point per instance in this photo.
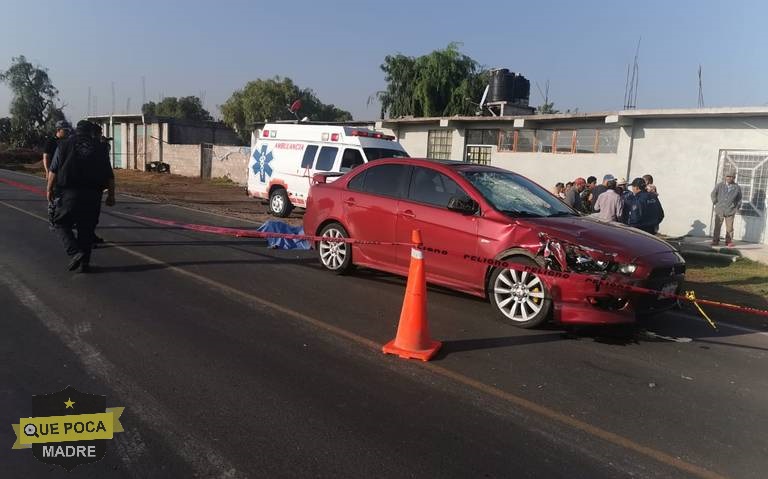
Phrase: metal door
[752,176]
[206,160]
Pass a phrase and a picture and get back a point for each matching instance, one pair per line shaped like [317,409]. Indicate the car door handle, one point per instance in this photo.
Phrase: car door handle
[408,214]
[350,202]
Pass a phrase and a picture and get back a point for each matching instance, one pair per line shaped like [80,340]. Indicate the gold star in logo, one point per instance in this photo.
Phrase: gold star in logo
[69,403]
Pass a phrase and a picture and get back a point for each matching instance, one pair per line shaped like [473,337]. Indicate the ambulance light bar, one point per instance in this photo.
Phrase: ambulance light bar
[371,134]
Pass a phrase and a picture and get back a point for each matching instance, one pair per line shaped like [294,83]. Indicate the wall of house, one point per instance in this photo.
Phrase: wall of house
[682,156]
[181,133]
[231,162]
[183,159]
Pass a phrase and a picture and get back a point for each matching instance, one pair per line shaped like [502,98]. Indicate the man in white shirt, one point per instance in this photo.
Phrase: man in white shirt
[609,205]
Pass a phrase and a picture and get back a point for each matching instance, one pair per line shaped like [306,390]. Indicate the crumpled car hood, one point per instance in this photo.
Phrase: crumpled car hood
[608,237]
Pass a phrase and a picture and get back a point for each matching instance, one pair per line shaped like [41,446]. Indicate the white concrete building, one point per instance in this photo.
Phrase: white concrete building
[685,150]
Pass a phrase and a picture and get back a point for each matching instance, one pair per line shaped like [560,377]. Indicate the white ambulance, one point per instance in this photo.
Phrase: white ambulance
[285,156]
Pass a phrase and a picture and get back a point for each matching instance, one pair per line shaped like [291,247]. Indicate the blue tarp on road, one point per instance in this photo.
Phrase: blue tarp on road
[272,226]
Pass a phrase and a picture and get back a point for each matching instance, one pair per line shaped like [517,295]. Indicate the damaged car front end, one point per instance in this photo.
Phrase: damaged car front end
[603,286]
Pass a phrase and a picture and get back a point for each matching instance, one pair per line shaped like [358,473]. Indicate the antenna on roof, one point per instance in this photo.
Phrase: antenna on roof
[701,90]
[128,106]
[143,90]
[90,112]
[113,98]
[631,86]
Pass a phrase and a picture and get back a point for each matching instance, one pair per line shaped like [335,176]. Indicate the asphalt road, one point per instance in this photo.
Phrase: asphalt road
[233,360]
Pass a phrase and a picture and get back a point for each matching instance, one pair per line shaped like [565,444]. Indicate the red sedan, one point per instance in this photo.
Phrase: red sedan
[490,232]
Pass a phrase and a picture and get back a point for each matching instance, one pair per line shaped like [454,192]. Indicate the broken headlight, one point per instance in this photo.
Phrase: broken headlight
[587,260]
[627,269]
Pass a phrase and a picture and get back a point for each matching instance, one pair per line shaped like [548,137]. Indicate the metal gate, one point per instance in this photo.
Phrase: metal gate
[752,176]
[206,160]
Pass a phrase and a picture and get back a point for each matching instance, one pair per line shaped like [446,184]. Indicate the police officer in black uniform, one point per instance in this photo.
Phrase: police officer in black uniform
[80,172]
[51,145]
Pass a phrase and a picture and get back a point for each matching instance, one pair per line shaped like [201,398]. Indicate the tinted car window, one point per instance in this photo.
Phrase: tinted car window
[432,187]
[326,158]
[356,183]
[309,156]
[387,180]
[376,153]
[351,159]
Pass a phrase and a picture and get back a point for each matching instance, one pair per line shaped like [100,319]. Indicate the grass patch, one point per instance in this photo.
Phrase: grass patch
[222,180]
[744,275]
[744,282]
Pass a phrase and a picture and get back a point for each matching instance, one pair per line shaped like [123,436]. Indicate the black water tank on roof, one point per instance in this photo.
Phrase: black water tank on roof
[518,88]
[498,85]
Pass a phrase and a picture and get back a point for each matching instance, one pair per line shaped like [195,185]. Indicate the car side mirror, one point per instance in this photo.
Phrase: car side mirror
[463,204]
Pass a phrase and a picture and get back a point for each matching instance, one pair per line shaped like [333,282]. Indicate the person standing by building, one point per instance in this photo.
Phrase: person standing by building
[559,190]
[600,189]
[645,211]
[573,195]
[80,172]
[649,186]
[586,194]
[609,205]
[51,145]
[726,198]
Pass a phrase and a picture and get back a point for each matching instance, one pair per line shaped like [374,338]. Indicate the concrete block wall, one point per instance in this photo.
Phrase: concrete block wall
[183,159]
[231,162]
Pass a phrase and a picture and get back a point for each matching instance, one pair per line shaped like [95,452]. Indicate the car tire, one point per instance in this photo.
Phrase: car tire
[335,256]
[279,204]
[521,298]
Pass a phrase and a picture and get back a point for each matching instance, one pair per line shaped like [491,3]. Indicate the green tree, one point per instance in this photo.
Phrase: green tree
[442,83]
[5,130]
[33,107]
[547,108]
[269,100]
[183,108]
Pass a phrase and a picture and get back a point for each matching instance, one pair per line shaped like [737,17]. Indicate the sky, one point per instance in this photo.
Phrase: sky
[211,49]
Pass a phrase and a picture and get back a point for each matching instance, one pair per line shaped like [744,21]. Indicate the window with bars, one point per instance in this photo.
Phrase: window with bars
[584,140]
[479,154]
[482,137]
[439,144]
[564,141]
[544,140]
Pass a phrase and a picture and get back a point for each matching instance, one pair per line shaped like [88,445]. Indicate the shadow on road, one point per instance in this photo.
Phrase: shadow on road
[459,345]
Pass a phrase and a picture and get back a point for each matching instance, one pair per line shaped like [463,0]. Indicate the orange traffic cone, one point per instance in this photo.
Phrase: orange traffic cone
[412,340]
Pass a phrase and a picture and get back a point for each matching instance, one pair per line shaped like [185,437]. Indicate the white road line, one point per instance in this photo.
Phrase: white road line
[205,461]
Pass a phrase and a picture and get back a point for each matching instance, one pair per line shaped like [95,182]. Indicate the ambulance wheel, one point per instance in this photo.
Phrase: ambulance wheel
[520,297]
[335,255]
[279,204]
